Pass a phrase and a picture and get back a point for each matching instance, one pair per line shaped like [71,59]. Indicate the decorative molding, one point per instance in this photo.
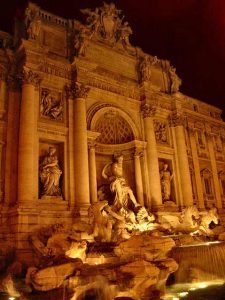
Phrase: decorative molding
[53,69]
[127,91]
[148,110]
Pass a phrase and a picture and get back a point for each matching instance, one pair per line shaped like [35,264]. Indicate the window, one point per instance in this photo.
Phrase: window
[208,188]
[206,175]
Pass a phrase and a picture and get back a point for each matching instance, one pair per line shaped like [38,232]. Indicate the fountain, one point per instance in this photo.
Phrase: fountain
[122,251]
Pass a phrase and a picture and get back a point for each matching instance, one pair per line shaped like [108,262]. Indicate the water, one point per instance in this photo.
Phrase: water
[204,262]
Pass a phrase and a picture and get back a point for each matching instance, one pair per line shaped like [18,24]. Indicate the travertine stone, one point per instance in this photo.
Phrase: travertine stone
[177,122]
[196,168]
[138,178]
[92,174]
[12,148]
[3,94]
[152,155]
[81,175]
[27,139]
[214,170]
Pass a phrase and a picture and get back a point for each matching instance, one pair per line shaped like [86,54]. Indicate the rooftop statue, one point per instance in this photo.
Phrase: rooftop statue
[174,80]
[107,23]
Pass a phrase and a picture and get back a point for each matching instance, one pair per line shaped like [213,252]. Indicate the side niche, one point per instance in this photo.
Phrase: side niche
[167,180]
[51,105]
[51,170]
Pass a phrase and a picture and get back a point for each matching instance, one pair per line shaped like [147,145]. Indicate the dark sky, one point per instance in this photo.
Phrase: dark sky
[189,33]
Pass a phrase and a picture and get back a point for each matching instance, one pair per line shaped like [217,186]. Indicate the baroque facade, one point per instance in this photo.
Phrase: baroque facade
[74,95]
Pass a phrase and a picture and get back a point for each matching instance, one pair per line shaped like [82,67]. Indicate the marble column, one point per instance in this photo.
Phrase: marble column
[152,155]
[27,140]
[216,182]
[138,177]
[11,158]
[196,168]
[81,173]
[1,181]
[177,121]
[3,92]
[92,173]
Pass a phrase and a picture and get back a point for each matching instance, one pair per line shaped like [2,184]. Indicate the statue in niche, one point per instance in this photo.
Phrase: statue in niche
[166,177]
[124,197]
[160,131]
[50,105]
[175,81]
[50,174]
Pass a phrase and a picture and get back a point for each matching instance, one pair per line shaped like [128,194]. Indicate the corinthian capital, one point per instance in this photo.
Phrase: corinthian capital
[177,119]
[30,77]
[77,90]
[148,110]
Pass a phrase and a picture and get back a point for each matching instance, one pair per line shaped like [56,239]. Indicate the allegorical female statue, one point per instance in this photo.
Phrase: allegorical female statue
[50,174]
[166,177]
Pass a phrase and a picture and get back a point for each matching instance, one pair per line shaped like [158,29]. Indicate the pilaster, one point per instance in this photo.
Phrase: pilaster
[214,168]
[196,168]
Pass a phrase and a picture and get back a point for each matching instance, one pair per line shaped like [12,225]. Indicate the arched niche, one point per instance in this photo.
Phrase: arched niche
[118,134]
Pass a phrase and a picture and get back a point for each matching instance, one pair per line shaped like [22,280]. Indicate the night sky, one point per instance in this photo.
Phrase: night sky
[189,33]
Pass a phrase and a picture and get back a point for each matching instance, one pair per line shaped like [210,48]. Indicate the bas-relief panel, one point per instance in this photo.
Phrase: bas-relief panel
[51,105]
[161,132]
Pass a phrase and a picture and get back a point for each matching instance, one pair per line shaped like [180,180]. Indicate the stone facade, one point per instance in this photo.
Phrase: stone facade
[85,91]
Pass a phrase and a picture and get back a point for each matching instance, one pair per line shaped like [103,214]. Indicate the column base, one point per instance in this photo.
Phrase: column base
[81,212]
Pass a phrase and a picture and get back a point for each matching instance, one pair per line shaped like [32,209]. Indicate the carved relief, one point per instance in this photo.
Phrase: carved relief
[177,119]
[105,23]
[160,131]
[50,174]
[30,77]
[148,110]
[51,104]
[77,90]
